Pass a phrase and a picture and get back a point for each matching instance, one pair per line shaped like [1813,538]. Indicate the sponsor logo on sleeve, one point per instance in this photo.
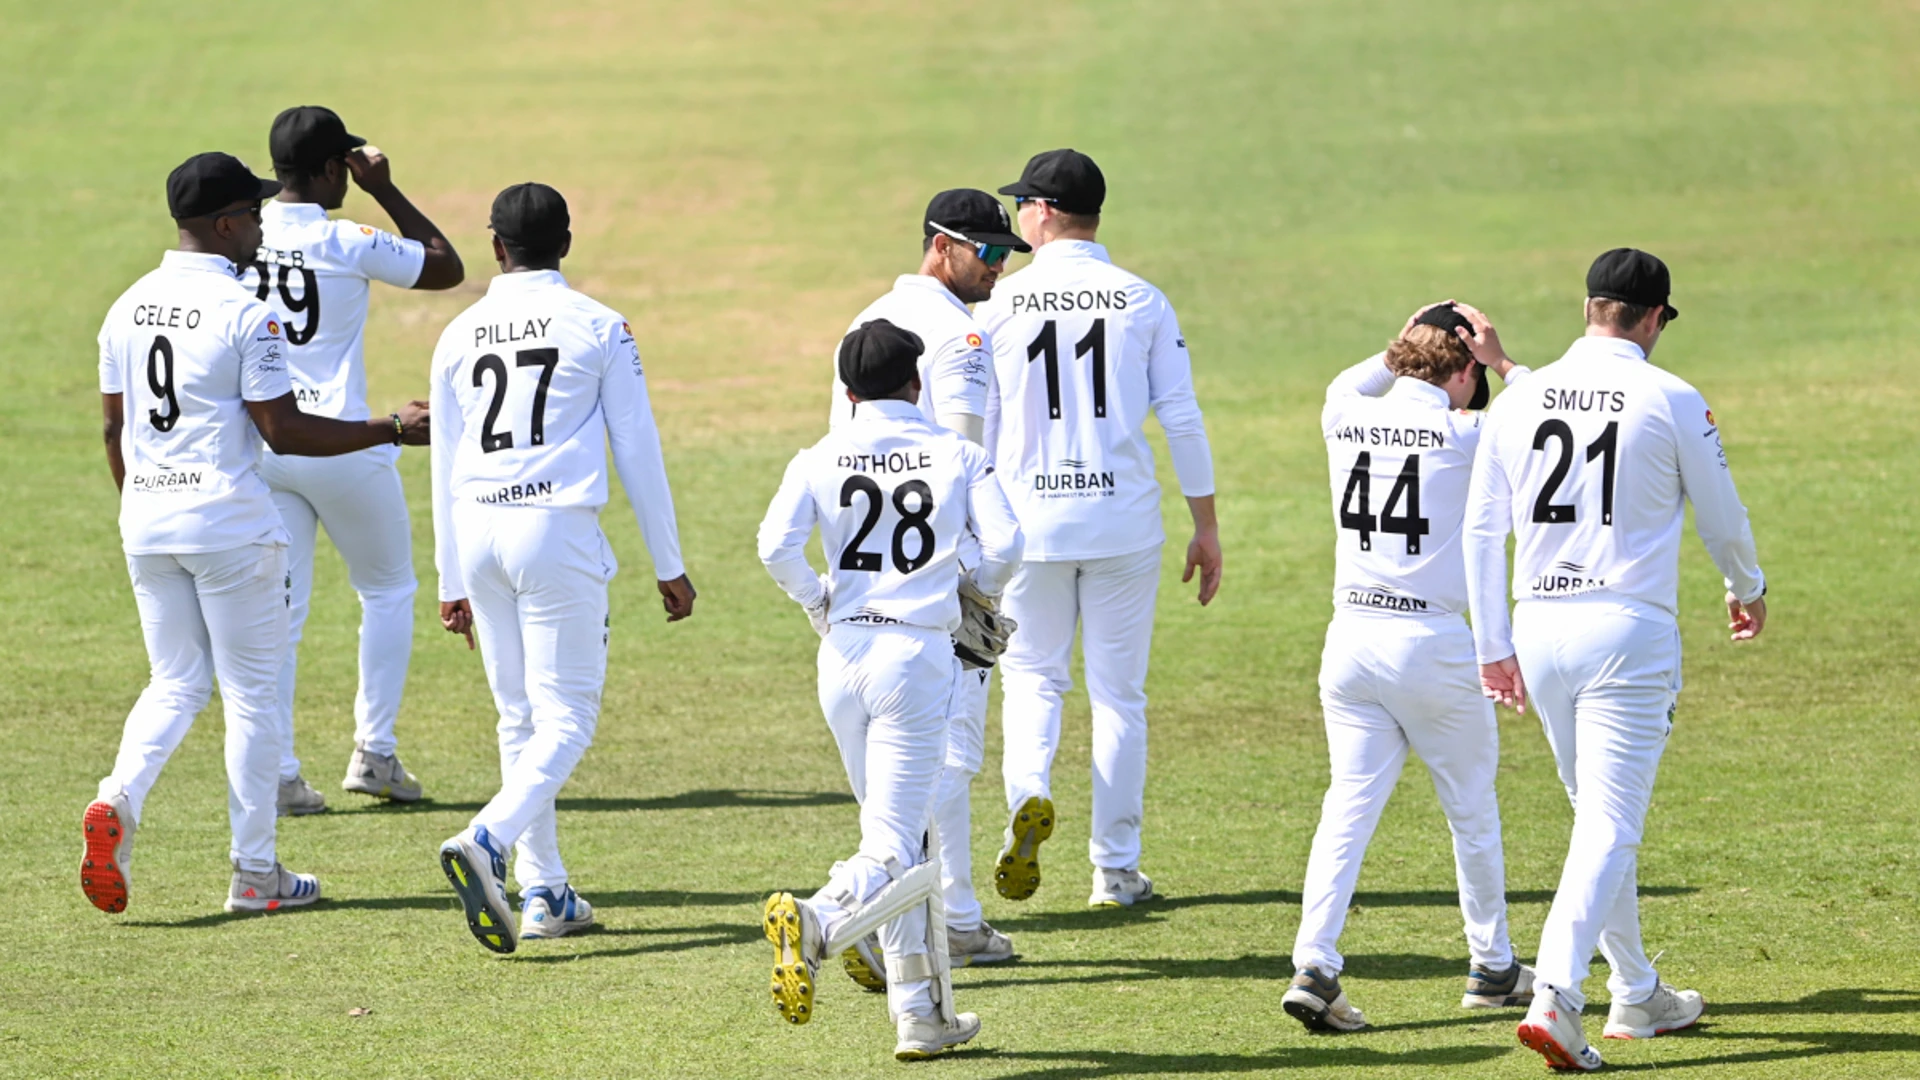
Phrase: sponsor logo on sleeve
[974,340]
[1710,422]
[366,230]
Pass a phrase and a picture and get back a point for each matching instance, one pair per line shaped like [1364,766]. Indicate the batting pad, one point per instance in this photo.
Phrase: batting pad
[894,900]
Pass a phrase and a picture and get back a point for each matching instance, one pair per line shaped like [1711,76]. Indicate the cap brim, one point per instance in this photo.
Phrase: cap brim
[268,189]
[1000,239]
[1672,312]
[1019,189]
[1482,391]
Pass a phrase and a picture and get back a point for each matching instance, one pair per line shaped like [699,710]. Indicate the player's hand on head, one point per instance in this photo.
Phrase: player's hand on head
[414,423]
[457,617]
[677,598]
[1484,341]
[1748,619]
[369,168]
[1501,681]
[1203,554]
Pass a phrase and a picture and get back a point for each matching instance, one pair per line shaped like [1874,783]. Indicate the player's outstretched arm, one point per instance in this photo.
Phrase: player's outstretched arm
[442,268]
[1203,551]
[289,431]
[114,418]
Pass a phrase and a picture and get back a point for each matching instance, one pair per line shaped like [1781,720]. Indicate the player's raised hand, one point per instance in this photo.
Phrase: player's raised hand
[1484,341]
[1203,554]
[677,597]
[457,617]
[415,423]
[1748,619]
[1501,681]
[369,168]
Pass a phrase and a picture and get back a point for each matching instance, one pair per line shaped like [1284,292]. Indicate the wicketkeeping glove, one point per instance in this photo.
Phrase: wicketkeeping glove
[983,632]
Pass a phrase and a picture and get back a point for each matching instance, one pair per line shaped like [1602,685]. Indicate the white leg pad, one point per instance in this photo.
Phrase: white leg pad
[897,898]
[942,964]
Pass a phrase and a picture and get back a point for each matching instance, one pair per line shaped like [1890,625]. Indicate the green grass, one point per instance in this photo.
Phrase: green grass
[746,175]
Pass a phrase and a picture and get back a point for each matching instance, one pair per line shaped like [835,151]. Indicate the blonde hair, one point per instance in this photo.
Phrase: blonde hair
[1428,353]
[1617,314]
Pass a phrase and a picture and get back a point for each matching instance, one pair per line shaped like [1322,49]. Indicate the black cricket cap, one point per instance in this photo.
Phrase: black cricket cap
[975,216]
[1066,178]
[205,183]
[1448,318]
[306,137]
[1632,276]
[531,217]
[878,358]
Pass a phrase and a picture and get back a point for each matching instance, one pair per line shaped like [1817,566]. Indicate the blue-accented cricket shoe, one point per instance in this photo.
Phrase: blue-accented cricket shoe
[546,913]
[478,871]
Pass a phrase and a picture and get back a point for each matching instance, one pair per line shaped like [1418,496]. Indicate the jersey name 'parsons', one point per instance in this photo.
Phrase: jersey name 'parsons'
[313,271]
[1399,466]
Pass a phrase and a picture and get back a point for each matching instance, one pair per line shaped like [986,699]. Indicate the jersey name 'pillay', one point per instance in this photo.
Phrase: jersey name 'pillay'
[530,387]
[1399,465]
[1590,465]
[188,346]
[893,495]
[314,272]
[1083,351]
[957,363]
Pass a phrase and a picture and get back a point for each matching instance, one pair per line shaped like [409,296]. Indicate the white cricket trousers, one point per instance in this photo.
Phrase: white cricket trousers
[1389,683]
[953,805]
[537,582]
[359,499]
[211,616]
[885,691]
[1604,674]
[1111,601]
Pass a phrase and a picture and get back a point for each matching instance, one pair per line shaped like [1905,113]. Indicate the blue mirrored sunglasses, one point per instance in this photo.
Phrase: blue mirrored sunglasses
[993,254]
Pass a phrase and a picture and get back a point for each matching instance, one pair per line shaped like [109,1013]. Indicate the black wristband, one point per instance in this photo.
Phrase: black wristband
[399,429]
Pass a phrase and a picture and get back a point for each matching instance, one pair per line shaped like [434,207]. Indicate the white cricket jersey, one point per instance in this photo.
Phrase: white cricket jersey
[313,271]
[529,388]
[1590,465]
[1399,465]
[1083,350]
[893,495]
[956,363]
[187,346]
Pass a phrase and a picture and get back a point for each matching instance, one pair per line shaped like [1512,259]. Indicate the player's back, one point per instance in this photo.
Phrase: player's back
[314,272]
[1073,337]
[955,364]
[187,347]
[524,367]
[1400,467]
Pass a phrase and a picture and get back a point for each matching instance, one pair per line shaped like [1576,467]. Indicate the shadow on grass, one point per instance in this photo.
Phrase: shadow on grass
[613,900]
[1086,917]
[709,799]
[1088,1064]
[1377,966]
[706,937]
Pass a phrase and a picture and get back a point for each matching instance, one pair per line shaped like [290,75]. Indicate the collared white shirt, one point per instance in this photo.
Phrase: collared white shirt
[313,271]
[956,362]
[1590,466]
[1083,351]
[1399,458]
[187,347]
[893,495]
[530,387]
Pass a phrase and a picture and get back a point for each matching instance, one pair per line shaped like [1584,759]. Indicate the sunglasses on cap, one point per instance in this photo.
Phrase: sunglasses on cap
[991,254]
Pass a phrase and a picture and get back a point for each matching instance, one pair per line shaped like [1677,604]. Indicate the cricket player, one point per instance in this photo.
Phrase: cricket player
[314,272]
[895,497]
[1398,672]
[193,374]
[967,237]
[535,383]
[1590,465]
[1083,351]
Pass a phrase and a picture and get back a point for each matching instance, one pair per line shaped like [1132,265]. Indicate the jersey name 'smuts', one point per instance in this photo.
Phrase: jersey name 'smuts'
[187,346]
[957,363]
[314,272]
[1083,351]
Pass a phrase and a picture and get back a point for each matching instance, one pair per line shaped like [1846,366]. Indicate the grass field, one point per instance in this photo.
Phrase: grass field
[747,175]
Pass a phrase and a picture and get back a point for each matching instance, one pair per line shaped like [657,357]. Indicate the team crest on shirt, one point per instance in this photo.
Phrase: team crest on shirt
[1710,422]
[973,340]
[366,230]
[273,328]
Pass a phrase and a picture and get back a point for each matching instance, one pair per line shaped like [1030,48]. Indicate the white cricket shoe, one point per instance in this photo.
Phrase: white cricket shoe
[1316,1000]
[545,913]
[381,776]
[798,950]
[298,798]
[980,945]
[271,890]
[1510,989]
[478,873]
[923,1037]
[106,861]
[1553,1031]
[1119,888]
[1667,1010]
[1016,872]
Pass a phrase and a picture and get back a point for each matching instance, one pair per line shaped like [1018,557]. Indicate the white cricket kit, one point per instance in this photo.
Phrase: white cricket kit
[531,386]
[894,496]
[957,362]
[315,272]
[1398,671]
[1083,351]
[186,348]
[1590,465]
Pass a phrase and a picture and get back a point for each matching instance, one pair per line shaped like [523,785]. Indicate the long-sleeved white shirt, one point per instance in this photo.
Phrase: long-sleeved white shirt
[1083,351]
[956,363]
[893,495]
[1590,465]
[1399,458]
[529,388]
